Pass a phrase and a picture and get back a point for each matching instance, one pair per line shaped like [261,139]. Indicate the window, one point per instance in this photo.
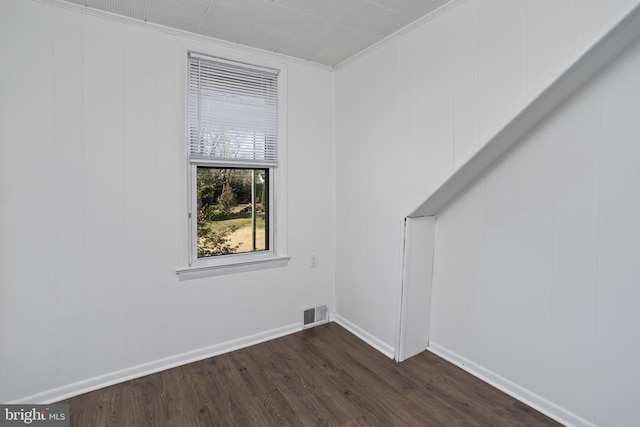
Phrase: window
[232,126]
[232,210]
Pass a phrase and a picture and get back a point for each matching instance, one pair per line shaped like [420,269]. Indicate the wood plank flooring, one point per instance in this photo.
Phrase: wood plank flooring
[323,376]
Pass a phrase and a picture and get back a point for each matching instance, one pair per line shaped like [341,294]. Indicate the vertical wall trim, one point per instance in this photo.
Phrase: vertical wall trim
[398,354]
[415,293]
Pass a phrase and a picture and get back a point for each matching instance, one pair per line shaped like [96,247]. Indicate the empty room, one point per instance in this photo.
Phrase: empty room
[320,212]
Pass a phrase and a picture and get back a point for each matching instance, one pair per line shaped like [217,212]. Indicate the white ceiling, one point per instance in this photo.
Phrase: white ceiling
[323,31]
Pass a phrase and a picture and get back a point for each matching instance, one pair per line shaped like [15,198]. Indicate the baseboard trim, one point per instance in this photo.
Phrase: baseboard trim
[512,389]
[101,381]
[365,336]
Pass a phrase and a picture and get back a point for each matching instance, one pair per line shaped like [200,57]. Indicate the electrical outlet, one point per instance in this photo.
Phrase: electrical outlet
[314,260]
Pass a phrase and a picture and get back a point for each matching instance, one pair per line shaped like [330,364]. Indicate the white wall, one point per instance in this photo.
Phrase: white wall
[93,208]
[536,272]
[410,111]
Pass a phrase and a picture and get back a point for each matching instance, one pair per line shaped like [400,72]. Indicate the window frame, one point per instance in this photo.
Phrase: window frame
[194,267]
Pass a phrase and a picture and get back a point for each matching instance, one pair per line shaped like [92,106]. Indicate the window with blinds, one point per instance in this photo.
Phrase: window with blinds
[232,126]
[232,112]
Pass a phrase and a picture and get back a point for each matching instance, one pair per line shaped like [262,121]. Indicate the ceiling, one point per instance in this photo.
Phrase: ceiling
[323,31]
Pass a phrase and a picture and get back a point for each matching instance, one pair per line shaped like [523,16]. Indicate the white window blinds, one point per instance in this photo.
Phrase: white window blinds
[232,112]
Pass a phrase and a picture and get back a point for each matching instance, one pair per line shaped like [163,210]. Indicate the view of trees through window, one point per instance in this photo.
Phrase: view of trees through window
[231,210]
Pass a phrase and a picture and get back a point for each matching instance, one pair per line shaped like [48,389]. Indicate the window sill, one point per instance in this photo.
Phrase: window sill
[231,266]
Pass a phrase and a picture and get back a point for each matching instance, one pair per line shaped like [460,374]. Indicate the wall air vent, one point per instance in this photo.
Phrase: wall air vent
[313,316]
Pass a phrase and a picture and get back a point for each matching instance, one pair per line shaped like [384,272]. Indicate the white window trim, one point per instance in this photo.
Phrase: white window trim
[276,256]
[241,264]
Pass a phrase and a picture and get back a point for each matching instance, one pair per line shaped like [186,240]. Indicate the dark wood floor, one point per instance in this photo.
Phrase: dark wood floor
[323,376]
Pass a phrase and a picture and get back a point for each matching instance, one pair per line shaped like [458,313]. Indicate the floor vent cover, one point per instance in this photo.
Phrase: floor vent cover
[313,316]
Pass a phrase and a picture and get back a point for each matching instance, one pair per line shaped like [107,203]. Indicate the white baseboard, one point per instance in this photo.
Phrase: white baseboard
[98,382]
[365,336]
[514,390]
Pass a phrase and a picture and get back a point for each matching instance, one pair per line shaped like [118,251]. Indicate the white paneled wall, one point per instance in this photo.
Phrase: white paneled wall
[409,112]
[26,286]
[93,207]
[69,187]
[491,58]
[551,34]
[464,72]
[502,58]
[576,148]
[552,306]
[433,99]
[618,347]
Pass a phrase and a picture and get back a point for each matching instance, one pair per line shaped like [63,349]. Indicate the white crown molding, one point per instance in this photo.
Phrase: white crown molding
[402,31]
[181,33]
